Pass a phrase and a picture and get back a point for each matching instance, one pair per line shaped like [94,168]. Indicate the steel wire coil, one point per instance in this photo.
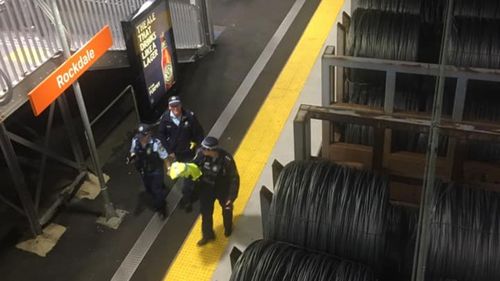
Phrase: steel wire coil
[482,9]
[433,11]
[474,43]
[276,261]
[383,35]
[465,234]
[402,222]
[481,106]
[413,7]
[332,209]
[429,11]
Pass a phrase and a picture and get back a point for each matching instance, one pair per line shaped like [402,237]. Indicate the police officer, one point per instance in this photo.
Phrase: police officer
[220,180]
[179,133]
[148,154]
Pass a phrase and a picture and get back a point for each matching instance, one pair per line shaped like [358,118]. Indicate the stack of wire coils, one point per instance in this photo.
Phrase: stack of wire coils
[342,212]
[429,11]
[333,209]
[411,30]
[475,42]
[392,32]
[464,234]
[383,35]
[277,261]
[412,7]
[480,9]
[329,218]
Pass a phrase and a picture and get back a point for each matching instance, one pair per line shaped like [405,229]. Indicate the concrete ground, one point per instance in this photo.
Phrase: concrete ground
[249,227]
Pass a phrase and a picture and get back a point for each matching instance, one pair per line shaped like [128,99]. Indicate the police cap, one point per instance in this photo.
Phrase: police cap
[143,128]
[174,100]
[209,143]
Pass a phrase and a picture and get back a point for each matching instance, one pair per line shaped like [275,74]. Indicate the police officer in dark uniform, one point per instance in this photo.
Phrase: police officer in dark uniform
[220,180]
[180,133]
[148,154]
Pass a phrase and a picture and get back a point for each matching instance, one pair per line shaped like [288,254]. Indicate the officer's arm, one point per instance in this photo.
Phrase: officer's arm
[132,146]
[234,177]
[162,130]
[131,156]
[163,154]
[158,147]
[198,133]
[198,158]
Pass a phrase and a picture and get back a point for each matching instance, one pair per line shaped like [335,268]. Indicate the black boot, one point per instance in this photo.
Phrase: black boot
[182,203]
[162,212]
[205,240]
[188,207]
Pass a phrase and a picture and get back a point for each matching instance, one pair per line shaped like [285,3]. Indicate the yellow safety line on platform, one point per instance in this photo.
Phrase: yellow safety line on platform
[199,263]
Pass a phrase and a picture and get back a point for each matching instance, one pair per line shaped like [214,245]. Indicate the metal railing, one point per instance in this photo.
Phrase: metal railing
[5,88]
[28,36]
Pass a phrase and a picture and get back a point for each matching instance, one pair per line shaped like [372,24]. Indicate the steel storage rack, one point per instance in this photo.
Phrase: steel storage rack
[458,222]
[401,164]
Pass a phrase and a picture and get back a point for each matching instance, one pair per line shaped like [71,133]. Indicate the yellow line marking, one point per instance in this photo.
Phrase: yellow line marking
[199,263]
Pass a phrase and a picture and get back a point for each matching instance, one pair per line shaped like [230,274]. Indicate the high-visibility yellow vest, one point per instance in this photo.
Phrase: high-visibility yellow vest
[185,170]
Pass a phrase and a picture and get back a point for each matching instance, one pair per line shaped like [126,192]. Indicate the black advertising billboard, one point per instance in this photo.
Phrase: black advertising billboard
[151,51]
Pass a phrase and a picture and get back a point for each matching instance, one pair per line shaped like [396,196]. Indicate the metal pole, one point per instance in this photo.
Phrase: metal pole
[423,237]
[327,99]
[70,128]
[48,131]
[109,210]
[19,182]
[136,108]
[41,149]
[112,103]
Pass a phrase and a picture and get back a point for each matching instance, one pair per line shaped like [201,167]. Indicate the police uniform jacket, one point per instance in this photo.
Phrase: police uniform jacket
[177,139]
[219,173]
[149,159]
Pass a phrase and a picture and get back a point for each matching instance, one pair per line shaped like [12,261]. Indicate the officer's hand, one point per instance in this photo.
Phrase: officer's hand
[130,159]
[170,158]
[192,145]
[168,162]
[229,204]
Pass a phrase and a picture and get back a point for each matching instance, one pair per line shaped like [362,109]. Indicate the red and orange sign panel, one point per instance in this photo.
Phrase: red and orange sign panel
[66,74]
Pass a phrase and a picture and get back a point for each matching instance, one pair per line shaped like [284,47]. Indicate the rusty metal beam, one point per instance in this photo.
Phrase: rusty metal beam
[413,67]
[402,121]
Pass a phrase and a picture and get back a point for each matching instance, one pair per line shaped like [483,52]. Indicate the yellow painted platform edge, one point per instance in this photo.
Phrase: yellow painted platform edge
[199,263]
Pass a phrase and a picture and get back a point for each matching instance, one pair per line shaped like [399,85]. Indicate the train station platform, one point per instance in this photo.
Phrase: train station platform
[265,64]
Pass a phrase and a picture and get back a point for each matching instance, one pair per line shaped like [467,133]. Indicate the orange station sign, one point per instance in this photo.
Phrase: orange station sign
[65,75]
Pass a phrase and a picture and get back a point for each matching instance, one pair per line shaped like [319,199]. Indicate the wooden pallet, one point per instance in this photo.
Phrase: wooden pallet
[406,170]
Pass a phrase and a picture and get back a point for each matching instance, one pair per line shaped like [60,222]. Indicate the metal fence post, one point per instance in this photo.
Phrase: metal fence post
[302,135]
[109,210]
[19,182]
[5,81]
[266,197]
[277,167]
[423,235]
[327,97]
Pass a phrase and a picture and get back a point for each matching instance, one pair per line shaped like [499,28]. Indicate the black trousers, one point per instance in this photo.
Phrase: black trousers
[187,191]
[153,182]
[207,200]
